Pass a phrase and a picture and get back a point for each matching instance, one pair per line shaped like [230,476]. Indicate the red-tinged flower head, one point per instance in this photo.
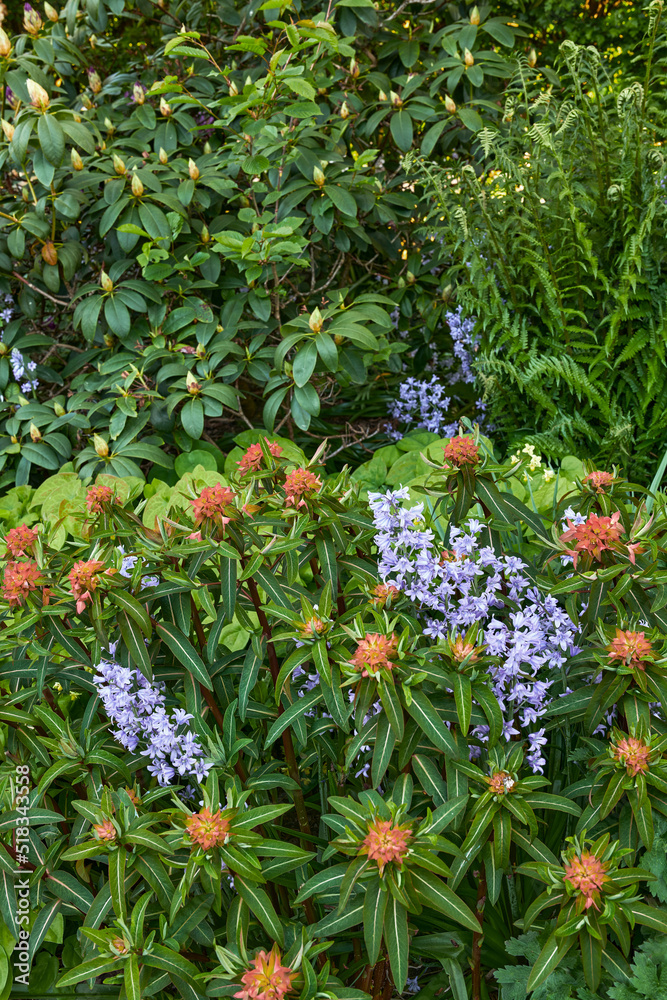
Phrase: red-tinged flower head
[384,843]
[312,627]
[20,541]
[97,496]
[500,783]
[633,753]
[105,831]
[84,578]
[462,650]
[631,648]
[384,592]
[208,829]
[299,483]
[132,796]
[598,480]
[267,978]
[587,875]
[20,579]
[253,459]
[461,451]
[373,653]
[593,536]
[212,505]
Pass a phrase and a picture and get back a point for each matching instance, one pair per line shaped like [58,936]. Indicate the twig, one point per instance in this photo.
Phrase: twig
[58,302]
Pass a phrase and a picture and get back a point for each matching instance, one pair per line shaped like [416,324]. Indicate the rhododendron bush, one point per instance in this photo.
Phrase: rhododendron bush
[267,739]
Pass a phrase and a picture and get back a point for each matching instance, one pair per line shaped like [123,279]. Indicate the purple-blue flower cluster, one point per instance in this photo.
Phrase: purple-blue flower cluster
[137,708]
[529,633]
[422,403]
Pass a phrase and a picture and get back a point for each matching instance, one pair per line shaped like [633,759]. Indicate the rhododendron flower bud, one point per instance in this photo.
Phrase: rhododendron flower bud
[35,433]
[32,22]
[191,384]
[100,445]
[468,58]
[94,81]
[354,68]
[318,177]
[51,12]
[344,110]
[21,540]
[193,169]
[165,108]
[119,165]
[105,281]
[162,156]
[75,157]
[137,186]
[450,106]
[38,96]
[138,94]
[5,44]
[532,58]
[59,409]
[8,129]
[385,843]
[49,253]
[316,321]
[382,96]
[396,101]
[474,16]
[233,89]
[267,978]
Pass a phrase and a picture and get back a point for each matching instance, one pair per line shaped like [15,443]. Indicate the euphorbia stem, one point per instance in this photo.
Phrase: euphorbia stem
[477,940]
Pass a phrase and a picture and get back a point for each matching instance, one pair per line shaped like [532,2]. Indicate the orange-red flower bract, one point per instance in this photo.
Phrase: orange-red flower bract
[314,626]
[633,753]
[501,783]
[461,650]
[384,592]
[593,536]
[208,829]
[105,831]
[253,459]
[384,843]
[212,504]
[298,483]
[20,578]
[598,480]
[587,874]
[631,648]
[19,541]
[373,652]
[267,978]
[462,451]
[98,495]
[84,578]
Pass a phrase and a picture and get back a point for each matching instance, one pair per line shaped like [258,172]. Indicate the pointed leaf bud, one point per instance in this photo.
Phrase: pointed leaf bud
[468,58]
[382,96]
[109,125]
[474,16]
[532,58]
[94,81]
[205,235]
[344,110]
[5,44]
[35,433]
[138,94]
[450,106]
[193,169]
[8,129]
[38,96]
[207,148]
[137,186]
[105,281]
[233,89]
[165,108]
[51,12]
[49,253]
[77,162]
[100,445]
[395,99]
[354,68]
[119,165]
[162,156]
[316,320]
[58,409]
[318,177]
